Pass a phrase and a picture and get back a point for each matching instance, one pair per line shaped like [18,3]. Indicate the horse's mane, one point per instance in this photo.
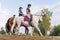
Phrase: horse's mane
[37,13]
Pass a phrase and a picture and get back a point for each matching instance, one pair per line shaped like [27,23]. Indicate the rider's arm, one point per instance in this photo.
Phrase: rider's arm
[27,12]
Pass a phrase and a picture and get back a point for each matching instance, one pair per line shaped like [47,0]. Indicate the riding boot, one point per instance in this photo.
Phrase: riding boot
[26,30]
[29,21]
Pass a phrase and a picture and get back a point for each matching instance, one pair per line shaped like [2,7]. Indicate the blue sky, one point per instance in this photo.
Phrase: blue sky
[10,7]
[13,5]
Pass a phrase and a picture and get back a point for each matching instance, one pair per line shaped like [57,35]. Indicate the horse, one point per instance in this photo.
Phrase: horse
[20,20]
[9,25]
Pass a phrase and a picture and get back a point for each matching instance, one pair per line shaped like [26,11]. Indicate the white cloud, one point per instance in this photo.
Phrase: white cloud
[0,5]
[4,15]
[56,14]
[36,8]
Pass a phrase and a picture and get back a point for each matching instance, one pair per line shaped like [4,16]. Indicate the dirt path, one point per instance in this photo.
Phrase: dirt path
[15,37]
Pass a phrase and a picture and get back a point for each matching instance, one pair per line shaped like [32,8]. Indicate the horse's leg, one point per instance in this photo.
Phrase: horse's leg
[7,31]
[32,31]
[17,28]
[12,27]
[36,26]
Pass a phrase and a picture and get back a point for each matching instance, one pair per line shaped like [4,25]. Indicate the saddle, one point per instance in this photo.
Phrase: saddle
[28,19]
[25,18]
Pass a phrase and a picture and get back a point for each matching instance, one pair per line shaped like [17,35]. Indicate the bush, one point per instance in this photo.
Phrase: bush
[55,31]
[2,31]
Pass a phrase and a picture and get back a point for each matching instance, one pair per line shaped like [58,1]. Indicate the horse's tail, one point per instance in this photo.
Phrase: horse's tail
[7,26]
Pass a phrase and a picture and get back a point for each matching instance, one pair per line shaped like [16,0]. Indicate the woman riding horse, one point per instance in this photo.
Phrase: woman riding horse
[21,14]
[29,16]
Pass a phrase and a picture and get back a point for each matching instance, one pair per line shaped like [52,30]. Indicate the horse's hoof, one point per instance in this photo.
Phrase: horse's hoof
[41,35]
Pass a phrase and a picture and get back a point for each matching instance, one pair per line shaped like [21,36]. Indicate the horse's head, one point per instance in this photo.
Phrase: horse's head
[40,14]
[11,20]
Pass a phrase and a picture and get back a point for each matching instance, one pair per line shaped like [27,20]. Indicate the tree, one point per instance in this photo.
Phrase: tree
[2,31]
[55,31]
[45,24]
[42,28]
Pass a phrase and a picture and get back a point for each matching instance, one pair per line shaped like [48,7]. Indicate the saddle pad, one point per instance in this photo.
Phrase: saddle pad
[25,18]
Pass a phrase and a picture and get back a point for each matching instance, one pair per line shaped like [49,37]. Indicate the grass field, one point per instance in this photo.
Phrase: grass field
[22,37]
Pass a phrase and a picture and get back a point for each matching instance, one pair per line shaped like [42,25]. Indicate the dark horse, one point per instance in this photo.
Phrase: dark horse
[9,24]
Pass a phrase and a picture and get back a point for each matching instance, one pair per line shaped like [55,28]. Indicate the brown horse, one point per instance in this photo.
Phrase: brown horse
[9,24]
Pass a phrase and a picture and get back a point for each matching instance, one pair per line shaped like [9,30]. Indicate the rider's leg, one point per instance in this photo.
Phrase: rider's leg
[26,30]
[17,28]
